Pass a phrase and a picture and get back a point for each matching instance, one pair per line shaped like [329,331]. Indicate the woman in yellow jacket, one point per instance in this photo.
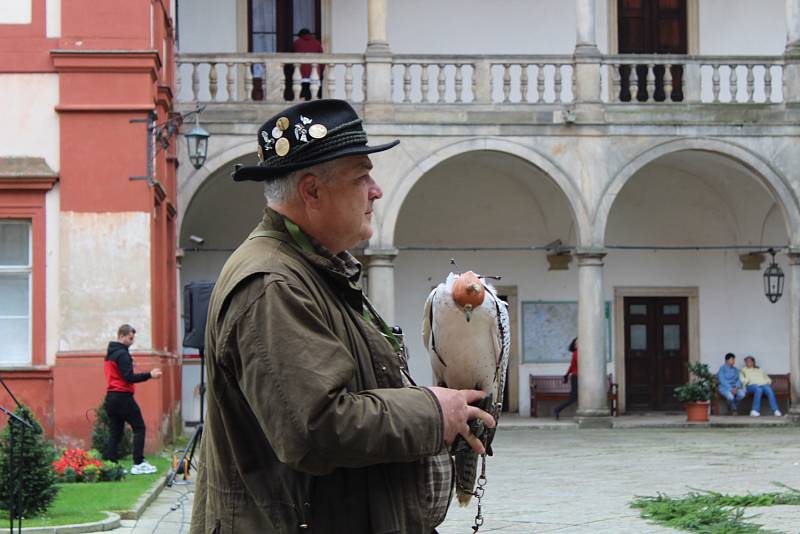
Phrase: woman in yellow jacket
[758,383]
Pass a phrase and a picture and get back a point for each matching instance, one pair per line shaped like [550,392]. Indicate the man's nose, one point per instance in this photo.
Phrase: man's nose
[375,191]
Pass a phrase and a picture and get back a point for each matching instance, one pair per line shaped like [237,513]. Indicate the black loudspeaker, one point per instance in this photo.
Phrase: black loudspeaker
[196,296]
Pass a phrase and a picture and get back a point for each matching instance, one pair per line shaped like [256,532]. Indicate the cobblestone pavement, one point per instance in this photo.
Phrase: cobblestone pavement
[581,481]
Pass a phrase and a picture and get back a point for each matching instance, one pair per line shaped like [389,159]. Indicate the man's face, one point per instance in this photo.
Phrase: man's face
[730,362]
[346,202]
[127,340]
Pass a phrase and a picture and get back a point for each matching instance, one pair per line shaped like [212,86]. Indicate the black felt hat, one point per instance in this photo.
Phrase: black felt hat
[304,135]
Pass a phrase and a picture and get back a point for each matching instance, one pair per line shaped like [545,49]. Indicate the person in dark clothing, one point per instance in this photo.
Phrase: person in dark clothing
[572,376]
[120,405]
[306,43]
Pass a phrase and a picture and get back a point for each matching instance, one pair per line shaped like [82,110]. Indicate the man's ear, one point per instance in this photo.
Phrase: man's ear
[308,188]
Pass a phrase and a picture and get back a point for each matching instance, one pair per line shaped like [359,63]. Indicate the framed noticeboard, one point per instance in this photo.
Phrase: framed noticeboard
[548,327]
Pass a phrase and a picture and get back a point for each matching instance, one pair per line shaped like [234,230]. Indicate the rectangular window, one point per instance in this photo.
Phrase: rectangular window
[15,292]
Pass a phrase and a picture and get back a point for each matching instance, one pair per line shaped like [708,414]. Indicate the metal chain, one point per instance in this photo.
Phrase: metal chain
[479,491]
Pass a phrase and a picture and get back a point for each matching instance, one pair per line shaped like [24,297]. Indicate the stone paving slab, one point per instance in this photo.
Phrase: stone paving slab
[582,481]
[780,518]
[516,422]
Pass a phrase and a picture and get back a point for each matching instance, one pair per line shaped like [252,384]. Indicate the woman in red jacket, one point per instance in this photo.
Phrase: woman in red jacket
[572,376]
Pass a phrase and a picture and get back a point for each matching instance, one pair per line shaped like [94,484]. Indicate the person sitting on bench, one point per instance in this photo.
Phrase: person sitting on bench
[758,383]
[730,386]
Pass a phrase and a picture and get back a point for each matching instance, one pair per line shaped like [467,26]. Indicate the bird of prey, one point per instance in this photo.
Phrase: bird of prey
[466,331]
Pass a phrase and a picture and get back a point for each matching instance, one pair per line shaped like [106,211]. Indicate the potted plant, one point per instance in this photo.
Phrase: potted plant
[697,392]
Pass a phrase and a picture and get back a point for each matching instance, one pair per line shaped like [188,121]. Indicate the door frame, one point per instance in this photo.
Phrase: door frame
[692,27]
[512,376]
[692,294]
[242,25]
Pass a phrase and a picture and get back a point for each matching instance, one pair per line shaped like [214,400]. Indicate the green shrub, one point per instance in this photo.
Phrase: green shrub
[35,472]
[102,431]
[700,386]
[91,473]
[111,472]
[69,476]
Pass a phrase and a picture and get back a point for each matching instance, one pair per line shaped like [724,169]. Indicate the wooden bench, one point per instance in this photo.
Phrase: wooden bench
[553,388]
[781,385]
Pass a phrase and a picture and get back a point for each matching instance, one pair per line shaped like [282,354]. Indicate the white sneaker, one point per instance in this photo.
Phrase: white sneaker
[143,468]
[778,413]
[754,413]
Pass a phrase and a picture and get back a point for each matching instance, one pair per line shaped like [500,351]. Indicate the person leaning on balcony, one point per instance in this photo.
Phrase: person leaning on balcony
[120,404]
[758,383]
[570,376]
[729,384]
[313,423]
[307,43]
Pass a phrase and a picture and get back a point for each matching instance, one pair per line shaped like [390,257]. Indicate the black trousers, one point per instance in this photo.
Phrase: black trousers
[121,409]
[573,394]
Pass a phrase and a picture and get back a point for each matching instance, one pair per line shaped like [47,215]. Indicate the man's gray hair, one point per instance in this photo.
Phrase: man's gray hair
[281,190]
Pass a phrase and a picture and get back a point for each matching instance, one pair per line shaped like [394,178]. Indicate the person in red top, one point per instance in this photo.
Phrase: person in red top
[120,405]
[572,376]
[306,43]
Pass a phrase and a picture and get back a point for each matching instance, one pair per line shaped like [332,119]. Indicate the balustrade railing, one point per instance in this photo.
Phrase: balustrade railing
[482,79]
[269,77]
[421,80]
[693,79]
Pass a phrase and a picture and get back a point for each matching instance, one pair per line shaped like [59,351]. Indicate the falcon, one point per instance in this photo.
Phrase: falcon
[466,332]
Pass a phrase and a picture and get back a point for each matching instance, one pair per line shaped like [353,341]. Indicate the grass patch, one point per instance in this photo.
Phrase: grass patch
[708,512]
[85,502]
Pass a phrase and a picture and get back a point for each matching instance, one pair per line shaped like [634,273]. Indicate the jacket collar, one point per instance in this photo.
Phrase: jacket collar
[342,264]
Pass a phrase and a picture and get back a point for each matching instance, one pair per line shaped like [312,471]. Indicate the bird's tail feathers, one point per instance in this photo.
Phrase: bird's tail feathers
[466,470]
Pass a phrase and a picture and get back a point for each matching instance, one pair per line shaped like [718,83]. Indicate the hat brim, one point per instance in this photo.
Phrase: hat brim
[257,173]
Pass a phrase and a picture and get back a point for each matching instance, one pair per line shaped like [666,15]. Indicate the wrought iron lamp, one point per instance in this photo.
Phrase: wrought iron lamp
[773,280]
[161,132]
[197,143]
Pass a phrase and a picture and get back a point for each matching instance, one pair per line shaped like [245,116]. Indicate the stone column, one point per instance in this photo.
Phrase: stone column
[587,56]
[792,27]
[592,377]
[794,331]
[378,64]
[586,42]
[381,281]
[791,69]
[376,26]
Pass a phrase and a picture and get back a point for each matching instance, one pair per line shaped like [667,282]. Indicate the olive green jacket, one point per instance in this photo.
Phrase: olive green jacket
[308,427]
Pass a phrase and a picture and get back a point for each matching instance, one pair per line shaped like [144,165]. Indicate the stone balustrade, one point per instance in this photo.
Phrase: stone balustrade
[482,80]
[693,79]
[512,80]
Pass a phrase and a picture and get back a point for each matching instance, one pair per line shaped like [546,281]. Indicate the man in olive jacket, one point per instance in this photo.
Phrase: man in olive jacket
[313,424]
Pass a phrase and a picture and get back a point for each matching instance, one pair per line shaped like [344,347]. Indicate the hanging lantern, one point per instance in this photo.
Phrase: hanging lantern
[197,143]
[773,280]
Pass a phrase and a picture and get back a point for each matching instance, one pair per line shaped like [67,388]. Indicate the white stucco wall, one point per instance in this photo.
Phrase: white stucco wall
[207,26]
[474,27]
[104,279]
[53,18]
[52,266]
[27,106]
[15,12]
[742,27]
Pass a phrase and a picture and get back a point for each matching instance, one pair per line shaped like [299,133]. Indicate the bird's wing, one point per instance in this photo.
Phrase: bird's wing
[427,320]
[502,335]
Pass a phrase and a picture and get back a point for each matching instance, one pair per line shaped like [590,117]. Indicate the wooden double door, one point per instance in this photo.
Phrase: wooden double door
[656,351]
[652,27]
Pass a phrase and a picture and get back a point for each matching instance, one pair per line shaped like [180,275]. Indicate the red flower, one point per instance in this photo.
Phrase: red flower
[77,459]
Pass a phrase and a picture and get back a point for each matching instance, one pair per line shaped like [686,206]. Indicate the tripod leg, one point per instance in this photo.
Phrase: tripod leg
[188,453]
